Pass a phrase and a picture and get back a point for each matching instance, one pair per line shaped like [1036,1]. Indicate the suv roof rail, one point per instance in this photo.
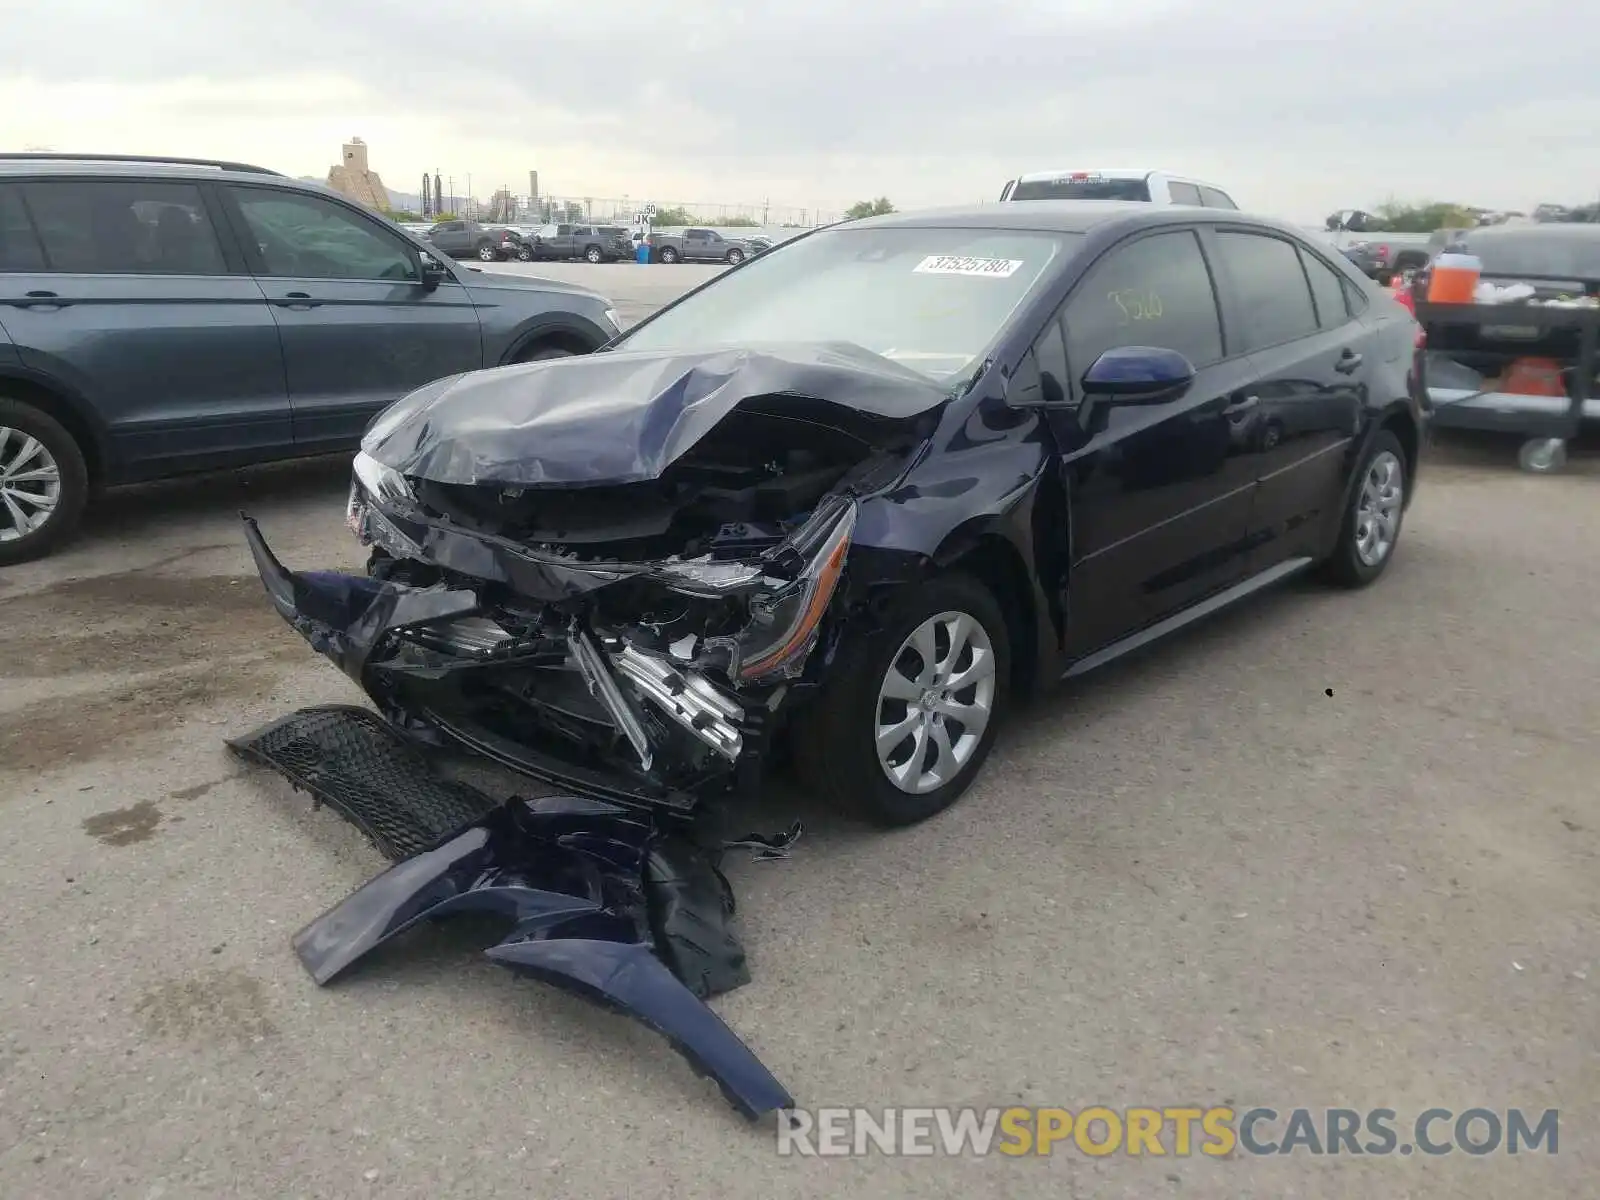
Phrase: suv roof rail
[218,163]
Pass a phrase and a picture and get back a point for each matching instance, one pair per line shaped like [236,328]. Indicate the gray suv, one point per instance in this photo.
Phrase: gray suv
[165,316]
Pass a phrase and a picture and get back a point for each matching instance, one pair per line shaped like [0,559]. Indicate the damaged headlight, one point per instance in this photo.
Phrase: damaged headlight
[785,617]
[374,482]
[383,484]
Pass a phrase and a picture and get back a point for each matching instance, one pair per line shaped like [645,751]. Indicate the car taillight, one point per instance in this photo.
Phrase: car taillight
[1382,251]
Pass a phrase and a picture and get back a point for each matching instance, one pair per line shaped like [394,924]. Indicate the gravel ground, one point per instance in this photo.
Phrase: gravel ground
[1325,850]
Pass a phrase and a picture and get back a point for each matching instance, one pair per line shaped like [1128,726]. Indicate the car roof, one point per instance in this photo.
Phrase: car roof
[1067,216]
[91,166]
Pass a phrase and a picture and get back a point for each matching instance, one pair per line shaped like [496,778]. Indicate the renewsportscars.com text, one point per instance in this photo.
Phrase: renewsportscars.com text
[1178,1131]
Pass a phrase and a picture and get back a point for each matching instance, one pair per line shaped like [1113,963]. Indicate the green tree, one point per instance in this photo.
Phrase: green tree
[1393,217]
[738,222]
[868,208]
[668,218]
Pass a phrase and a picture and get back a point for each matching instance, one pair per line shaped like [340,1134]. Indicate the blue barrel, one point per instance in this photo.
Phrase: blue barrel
[642,254]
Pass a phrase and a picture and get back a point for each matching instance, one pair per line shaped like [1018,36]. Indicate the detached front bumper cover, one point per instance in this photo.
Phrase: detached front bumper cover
[600,902]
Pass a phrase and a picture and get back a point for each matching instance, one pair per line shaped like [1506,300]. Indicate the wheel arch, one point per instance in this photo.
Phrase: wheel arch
[563,335]
[1400,421]
[74,413]
[982,551]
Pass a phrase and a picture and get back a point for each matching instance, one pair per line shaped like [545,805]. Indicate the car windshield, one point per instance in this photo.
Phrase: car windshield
[1558,253]
[932,299]
[1082,187]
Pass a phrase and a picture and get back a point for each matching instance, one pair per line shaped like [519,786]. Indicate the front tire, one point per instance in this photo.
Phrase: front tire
[542,354]
[1371,527]
[903,728]
[735,257]
[44,483]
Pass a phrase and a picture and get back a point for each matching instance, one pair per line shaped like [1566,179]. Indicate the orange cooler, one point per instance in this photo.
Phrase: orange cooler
[1454,279]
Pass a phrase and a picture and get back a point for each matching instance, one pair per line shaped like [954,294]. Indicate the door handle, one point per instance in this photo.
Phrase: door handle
[46,301]
[297,300]
[1348,362]
[1239,404]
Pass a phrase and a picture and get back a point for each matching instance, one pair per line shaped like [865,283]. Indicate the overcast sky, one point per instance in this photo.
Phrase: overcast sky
[1298,110]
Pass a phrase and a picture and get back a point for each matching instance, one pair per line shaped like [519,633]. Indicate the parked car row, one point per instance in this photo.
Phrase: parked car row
[158,317]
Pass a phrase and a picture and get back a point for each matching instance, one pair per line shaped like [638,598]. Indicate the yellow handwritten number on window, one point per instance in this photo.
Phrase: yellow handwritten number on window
[1136,304]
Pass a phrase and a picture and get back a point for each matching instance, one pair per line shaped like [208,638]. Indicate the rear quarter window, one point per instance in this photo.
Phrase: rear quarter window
[1184,193]
[1212,198]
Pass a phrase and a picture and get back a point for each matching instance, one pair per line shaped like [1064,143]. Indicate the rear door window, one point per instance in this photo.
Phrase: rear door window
[1268,287]
[1184,193]
[124,227]
[1212,198]
[1155,291]
[19,245]
[1328,290]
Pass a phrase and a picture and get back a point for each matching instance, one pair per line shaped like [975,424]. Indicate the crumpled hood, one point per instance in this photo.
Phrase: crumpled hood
[620,416]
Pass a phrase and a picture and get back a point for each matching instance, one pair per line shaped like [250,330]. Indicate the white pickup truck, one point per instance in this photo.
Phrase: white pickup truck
[1154,187]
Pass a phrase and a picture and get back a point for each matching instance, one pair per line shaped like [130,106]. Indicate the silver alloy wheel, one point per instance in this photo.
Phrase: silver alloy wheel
[1378,508]
[935,702]
[593,254]
[486,253]
[30,484]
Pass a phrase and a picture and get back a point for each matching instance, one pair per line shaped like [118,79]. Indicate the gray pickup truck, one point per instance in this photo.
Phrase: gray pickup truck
[592,243]
[697,245]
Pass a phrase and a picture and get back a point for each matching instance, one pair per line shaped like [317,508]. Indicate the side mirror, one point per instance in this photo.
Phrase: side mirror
[1138,375]
[434,272]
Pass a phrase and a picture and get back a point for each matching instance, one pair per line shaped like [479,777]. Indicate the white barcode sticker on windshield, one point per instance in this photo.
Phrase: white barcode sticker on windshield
[954,264]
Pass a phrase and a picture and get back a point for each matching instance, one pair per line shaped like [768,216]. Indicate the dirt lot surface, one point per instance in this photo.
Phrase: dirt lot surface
[1326,850]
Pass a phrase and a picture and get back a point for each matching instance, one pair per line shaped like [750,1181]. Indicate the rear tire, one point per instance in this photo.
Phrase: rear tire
[39,461]
[1370,531]
[668,254]
[836,738]
[487,252]
[593,255]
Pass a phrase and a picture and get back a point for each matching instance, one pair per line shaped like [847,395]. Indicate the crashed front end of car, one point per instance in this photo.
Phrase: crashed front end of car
[609,574]
[618,606]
